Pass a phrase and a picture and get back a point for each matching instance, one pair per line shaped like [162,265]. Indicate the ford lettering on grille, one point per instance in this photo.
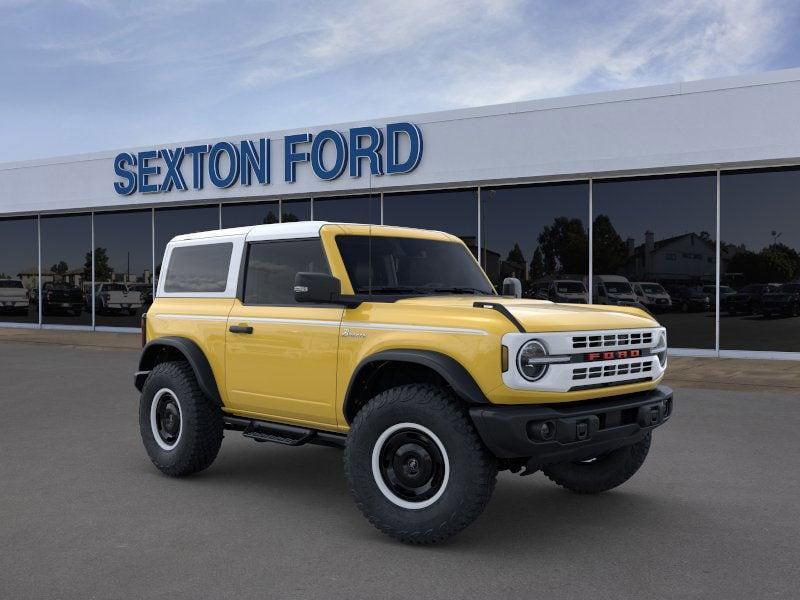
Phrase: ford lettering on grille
[612,355]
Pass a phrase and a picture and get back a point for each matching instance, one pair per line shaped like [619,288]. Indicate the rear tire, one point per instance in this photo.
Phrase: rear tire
[602,473]
[415,465]
[180,427]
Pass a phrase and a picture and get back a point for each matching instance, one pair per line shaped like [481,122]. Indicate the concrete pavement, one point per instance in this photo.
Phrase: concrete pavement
[83,514]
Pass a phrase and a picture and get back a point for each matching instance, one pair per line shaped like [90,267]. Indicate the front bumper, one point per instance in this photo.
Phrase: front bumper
[578,430]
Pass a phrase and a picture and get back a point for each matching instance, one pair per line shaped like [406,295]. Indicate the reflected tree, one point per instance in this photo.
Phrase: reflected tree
[60,268]
[102,270]
[610,251]
[564,246]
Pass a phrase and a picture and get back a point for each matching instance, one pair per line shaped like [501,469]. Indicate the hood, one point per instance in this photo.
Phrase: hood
[542,315]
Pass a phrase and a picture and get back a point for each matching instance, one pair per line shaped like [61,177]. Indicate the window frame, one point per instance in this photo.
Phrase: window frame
[245,264]
[233,266]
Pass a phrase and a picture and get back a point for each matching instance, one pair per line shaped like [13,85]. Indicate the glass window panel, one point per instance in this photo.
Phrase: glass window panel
[760,260]
[538,234]
[170,222]
[123,267]
[202,268]
[272,266]
[67,269]
[295,210]
[349,209]
[453,211]
[249,213]
[659,231]
[19,270]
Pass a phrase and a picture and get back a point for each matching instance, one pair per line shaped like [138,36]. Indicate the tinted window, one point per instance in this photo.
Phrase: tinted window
[272,266]
[350,209]
[455,212]
[19,265]
[170,222]
[66,263]
[759,217]
[660,230]
[295,210]
[249,213]
[536,233]
[123,255]
[410,265]
[201,268]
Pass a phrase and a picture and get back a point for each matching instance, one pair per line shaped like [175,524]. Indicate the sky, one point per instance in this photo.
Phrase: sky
[92,75]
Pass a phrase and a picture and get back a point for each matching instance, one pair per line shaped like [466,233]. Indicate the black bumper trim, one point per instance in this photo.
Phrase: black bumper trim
[575,430]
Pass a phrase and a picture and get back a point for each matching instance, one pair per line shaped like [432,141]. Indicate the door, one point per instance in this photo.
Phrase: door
[281,356]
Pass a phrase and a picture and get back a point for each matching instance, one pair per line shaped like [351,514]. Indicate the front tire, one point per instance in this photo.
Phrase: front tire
[602,473]
[415,465]
[180,427]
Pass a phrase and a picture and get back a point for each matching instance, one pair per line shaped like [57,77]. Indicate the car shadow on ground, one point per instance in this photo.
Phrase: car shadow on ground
[521,508]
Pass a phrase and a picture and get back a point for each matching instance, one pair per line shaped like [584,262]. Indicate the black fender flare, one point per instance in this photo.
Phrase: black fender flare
[452,371]
[191,352]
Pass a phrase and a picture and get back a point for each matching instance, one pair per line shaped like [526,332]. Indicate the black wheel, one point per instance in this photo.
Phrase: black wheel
[415,465]
[180,427]
[601,473]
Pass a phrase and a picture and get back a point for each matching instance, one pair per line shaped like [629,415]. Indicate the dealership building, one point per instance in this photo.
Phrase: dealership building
[683,197]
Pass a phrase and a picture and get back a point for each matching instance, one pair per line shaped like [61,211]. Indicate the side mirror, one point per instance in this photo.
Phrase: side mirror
[319,288]
[512,287]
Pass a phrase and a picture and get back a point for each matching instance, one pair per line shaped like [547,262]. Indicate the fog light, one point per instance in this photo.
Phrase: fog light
[543,431]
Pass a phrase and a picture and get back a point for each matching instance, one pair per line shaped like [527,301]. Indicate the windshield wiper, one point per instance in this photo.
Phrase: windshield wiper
[463,290]
[394,289]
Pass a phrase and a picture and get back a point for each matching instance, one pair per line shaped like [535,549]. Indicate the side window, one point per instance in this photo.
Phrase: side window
[272,266]
[198,269]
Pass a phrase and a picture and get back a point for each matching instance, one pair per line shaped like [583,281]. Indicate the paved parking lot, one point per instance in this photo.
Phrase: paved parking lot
[714,512]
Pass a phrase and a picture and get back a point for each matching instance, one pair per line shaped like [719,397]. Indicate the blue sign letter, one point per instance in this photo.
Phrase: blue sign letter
[370,152]
[197,152]
[317,149]
[146,170]
[254,162]
[122,159]
[213,164]
[290,157]
[173,176]
[393,131]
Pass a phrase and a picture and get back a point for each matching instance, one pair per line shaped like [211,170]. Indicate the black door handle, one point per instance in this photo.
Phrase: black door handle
[240,329]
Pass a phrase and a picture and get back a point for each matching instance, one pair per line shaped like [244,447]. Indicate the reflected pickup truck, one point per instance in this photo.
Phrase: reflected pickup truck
[14,298]
[392,344]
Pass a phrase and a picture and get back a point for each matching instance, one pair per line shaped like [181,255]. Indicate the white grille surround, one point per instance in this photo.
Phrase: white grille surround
[576,372]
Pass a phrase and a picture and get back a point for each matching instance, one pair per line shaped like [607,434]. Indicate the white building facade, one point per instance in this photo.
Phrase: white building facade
[684,185]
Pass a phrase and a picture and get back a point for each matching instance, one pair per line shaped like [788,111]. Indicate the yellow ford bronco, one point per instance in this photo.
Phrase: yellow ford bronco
[392,344]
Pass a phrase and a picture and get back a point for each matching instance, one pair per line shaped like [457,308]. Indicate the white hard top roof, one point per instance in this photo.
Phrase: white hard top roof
[275,231]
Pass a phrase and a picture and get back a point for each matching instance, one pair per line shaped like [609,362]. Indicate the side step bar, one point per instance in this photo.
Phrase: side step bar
[281,433]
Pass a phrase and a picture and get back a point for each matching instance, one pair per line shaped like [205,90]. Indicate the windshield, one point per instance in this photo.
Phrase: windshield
[616,287]
[570,287]
[725,289]
[10,283]
[790,288]
[397,265]
[652,288]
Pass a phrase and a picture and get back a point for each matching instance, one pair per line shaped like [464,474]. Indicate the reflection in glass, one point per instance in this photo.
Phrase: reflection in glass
[123,267]
[295,210]
[170,222]
[538,234]
[760,260]
[453,211]
[19,270]
[249,213]
[653,248]
[66,269]
[349,209]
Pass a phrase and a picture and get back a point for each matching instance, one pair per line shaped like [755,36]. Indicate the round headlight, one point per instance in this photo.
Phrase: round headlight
[661,349]
[529,360]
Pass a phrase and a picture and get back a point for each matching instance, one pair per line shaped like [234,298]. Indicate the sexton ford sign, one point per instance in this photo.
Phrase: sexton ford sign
[225,164]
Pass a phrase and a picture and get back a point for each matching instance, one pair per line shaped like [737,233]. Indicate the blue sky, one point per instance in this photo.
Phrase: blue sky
[89,75]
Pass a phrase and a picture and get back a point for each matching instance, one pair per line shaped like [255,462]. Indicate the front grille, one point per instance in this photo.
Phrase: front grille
[612,340]
[615,370]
